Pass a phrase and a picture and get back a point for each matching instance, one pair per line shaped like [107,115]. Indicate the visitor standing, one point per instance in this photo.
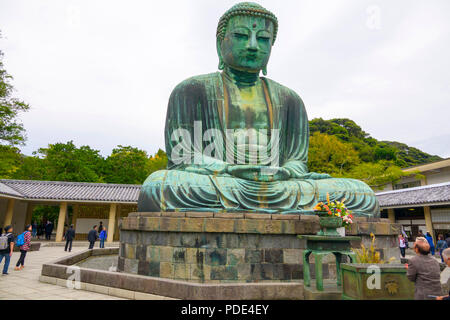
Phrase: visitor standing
[34,229]
[424,271]
[402,245]
[6,247]
[447,239]
[430,241]
[48,230]
[446,255]
[103,236]
[41,229]
[405,236]
[441,245]
[92,237]
[100,227]
[24,243]
[69,236]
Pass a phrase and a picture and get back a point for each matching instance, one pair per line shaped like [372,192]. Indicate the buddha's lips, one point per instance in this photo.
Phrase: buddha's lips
[251,56]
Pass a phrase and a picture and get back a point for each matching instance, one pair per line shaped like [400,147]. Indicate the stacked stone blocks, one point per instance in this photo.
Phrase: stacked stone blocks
[210,247]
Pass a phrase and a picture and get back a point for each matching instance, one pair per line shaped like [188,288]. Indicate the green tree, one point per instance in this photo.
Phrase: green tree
[377,174]
[31,168]
[158,161]
[11,130]
[369,149]
[66,162]
[127,165]
[10,161]
[329,155]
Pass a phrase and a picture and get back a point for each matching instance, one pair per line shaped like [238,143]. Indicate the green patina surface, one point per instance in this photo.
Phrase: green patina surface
[226,173]
[321,246]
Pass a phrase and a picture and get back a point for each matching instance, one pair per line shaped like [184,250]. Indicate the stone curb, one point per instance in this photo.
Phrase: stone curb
[145,287]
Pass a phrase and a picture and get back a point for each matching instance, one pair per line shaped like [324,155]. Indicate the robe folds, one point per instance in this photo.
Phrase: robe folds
[196,180]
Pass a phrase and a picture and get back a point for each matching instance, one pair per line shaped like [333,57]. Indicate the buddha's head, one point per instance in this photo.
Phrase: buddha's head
[245,36]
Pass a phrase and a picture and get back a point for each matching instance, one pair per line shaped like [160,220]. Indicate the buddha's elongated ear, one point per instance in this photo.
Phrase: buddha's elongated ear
[219,53]
[264,70]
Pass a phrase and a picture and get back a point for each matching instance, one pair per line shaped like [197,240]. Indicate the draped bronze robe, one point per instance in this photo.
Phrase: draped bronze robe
[205,186]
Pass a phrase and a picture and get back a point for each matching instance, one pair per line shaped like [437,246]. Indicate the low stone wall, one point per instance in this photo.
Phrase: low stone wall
[145,288]
[207,247]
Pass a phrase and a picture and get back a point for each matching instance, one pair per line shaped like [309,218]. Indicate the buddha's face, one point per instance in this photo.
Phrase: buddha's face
[247,43]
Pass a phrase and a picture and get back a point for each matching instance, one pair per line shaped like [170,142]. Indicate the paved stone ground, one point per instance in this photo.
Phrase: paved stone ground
[25,285]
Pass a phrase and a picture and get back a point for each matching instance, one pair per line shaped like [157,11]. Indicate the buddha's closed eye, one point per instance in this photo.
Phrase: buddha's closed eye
[241,36]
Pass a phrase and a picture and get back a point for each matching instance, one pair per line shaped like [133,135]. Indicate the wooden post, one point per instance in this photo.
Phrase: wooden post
[116,225]
[391,215]
[9,212]
[428,222]
[76,209]
[61,221]
[112,222]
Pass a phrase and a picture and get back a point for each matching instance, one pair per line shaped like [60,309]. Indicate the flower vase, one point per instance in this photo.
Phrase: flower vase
[329,224]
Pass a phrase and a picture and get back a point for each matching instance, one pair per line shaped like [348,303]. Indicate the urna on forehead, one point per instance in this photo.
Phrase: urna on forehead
[247,9]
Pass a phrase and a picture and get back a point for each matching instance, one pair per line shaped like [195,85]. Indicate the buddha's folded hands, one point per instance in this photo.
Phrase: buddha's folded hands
[314,176]
[259,173]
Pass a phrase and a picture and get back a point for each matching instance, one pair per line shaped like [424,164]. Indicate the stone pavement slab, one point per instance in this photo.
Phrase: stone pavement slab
[25,285]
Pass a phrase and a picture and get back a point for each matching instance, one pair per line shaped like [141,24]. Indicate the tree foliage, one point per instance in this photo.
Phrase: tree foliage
[327,154]
[10,161]
[368,148]
[67,162]
[126,165]
[11,129]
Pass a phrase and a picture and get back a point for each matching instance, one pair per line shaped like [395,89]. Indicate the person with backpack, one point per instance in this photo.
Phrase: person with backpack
[6,247]
[24,244]
[402,245]
[441,245]
[103,236]
[69,236]
[430,241]
[92,237]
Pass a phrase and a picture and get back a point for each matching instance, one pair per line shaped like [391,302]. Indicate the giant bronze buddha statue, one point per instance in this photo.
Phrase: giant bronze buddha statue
[238,142]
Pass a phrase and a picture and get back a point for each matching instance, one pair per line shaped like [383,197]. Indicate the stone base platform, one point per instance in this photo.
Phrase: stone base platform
[230,248]
[331,291]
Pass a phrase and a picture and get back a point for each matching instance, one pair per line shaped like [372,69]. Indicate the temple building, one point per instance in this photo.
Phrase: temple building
[416,204]
[87,203]
[420,204]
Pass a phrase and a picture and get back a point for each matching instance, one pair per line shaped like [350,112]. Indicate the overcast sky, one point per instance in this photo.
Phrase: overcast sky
[100,72]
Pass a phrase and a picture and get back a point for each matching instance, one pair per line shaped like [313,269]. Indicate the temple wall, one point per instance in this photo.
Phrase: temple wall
[19,215]
[91,214]
[216,248]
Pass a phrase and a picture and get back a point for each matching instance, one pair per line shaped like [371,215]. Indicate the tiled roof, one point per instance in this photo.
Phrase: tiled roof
[70,191]
[102,192]
[4,189]
[435,193]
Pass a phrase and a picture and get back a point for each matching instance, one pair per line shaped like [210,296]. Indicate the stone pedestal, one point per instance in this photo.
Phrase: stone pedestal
[321,246]
[209,247]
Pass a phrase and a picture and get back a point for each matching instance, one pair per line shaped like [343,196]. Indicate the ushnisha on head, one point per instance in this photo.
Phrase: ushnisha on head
[245,36]
[421,246]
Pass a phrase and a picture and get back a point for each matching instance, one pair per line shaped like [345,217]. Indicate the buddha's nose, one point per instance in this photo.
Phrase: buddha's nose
[253,43]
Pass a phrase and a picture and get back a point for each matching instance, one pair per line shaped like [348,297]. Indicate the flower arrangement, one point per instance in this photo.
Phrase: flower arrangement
[370,255]
[336,209]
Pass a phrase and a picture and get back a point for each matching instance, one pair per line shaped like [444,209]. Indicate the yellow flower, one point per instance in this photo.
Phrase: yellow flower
[328,198]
